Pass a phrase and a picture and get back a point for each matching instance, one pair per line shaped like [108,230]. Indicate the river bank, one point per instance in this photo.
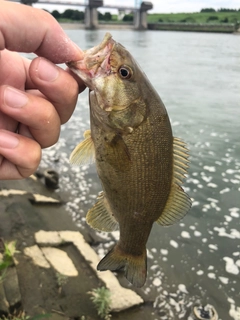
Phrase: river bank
[41,228]
[161,26]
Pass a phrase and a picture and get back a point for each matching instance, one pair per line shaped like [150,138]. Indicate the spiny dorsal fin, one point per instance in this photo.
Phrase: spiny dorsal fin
[100,217]
[178,202]
[84,153]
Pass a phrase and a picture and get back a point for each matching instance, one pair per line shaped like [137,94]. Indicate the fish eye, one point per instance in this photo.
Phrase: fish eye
[125,72]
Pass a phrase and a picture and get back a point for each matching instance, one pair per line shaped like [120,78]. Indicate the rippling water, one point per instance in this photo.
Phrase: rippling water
[197,76]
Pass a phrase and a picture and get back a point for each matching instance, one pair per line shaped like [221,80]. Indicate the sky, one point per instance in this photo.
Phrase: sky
[159,6]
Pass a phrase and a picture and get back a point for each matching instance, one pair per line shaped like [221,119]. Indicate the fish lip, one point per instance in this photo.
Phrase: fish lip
[95,62]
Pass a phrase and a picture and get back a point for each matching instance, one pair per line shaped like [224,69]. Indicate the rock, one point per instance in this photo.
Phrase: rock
[60,261]
[34,198]
[51,179]
[37,256]
[10,192]
[41,199]
[121,298]
[205,312]
[3,302]
[48,238]
[11,288]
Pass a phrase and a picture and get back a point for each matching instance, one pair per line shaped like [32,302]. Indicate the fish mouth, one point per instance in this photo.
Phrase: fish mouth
[95,62]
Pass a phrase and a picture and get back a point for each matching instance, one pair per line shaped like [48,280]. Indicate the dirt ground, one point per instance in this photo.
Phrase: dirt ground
[39,288]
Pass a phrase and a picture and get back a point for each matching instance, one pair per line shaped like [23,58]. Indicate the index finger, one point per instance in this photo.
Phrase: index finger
[27,29]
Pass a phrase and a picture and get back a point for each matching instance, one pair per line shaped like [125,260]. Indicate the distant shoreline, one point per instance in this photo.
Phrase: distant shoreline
[188,27]
[79,26]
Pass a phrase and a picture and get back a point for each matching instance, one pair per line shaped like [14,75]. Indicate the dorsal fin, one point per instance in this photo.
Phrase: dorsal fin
[178,202]
[100,216]
[84,153]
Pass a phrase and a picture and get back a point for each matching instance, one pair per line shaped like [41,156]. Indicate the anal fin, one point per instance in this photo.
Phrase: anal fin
[100,217]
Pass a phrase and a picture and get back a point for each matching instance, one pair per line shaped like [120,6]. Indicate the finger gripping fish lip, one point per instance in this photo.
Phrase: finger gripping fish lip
[96,61]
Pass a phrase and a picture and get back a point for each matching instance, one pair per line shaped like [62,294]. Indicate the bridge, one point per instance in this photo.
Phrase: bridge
[91,15]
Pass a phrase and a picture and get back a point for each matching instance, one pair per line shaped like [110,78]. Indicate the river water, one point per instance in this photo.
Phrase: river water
[198,78]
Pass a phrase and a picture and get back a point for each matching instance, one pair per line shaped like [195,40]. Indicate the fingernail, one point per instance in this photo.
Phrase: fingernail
[46,70]
[7,140]
[14,98]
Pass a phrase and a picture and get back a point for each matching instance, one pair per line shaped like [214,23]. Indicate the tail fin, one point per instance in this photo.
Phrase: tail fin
[135,266]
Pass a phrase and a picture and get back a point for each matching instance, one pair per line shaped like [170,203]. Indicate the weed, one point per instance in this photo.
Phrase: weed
[101,298]
[23,316]
[6,258]
[61,280]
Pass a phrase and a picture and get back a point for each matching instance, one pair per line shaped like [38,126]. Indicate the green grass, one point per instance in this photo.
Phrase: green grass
[198,17]
[101,298]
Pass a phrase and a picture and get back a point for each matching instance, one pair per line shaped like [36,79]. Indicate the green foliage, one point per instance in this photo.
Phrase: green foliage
[20,317]
[56,14]
[212,18]
[104,17]
[208,10]
[61,279]
[225,20]
[7,256]
[188,20]
[77,15]
[23,316]
[28,2]
[128,17]
[196,17]
[107,16]
[227,10]
[101,298]
[69,14]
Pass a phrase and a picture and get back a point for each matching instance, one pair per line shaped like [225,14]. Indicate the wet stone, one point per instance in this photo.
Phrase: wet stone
[37,256]
[11,288]
[3,302]
[60,261]
[50,238]
[121,298]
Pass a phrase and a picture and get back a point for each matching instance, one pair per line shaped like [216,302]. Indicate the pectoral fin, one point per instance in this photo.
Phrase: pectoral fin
[178,203]
[100,217]
[84,153]
[119,155]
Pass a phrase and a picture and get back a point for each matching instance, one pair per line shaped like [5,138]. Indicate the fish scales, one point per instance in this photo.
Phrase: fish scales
[140,164]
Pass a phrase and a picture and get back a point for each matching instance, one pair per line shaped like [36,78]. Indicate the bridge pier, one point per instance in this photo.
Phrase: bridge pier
[140,19]
[91,14]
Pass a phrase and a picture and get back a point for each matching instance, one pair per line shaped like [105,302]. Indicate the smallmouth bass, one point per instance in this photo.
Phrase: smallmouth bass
[140,164]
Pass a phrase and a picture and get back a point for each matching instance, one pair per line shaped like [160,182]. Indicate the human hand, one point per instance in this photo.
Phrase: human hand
[37,96]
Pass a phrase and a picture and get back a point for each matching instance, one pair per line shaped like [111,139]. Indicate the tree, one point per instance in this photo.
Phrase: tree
[208,10]
[28,2]
[77,15]
[128,17]
[56,14]
[100,16]
[68,14]
[107,16]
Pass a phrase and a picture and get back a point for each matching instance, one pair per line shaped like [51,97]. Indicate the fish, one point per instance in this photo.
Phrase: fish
[140,164]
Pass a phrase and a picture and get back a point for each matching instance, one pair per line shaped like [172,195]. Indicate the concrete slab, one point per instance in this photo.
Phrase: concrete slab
[60,261]
[48,238]
[121,298]
[37,256]
[37,198]
[41,199]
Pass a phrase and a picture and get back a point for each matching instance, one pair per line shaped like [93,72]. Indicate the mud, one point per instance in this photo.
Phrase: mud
[40,290]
